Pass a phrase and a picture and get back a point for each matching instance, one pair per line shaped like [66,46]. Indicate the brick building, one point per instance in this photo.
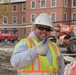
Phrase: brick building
[61,11]
[13,18]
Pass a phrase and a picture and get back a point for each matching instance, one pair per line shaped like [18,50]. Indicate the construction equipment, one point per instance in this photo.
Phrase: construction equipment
[71,48]
[67,37]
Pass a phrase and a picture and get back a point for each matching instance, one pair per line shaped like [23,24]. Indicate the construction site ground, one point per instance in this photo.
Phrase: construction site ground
[6,51]
[5,54]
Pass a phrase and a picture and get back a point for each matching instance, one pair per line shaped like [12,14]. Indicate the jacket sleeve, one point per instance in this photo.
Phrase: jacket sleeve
[22,55]
[61,65]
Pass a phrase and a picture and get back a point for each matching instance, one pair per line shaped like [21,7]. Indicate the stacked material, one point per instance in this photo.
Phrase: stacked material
[70,68]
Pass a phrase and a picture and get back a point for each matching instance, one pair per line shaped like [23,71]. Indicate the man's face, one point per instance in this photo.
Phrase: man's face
[42,31]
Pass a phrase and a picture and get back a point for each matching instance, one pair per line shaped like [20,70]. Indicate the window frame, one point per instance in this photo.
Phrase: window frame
[13,19]
[54,3]
[65,3]
[52,16]
[65,17]
[72,3]
[32,18]
[73,16]
[22,19]
[23,8]
[6,19]
[31,4]
[5,9]
[41,4]
[13,8]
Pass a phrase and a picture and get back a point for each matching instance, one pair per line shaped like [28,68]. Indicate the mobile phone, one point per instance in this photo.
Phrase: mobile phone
[44,41]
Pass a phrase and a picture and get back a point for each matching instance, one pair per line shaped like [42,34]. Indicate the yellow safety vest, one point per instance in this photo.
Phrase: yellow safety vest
[43,63]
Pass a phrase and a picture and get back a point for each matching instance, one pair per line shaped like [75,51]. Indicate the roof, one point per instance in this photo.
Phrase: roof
[13,1]
[17,0]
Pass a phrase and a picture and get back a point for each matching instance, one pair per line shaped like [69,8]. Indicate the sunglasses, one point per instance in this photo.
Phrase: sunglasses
[43,28]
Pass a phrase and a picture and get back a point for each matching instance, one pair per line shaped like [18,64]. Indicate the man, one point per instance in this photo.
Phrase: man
[36,54]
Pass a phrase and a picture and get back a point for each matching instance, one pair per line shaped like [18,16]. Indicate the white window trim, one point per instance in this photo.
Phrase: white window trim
[31,17]
[6,7]
[16,19]
[22,7]
[31,4]
[40,4]
[53,13]
[66,3]
[16,8]
[66,16]
[55,3]
[22,19]
[7,20]
[72,15]
[72,5]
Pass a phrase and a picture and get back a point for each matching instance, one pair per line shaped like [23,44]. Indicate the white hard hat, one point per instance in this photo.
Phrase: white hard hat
[43,19]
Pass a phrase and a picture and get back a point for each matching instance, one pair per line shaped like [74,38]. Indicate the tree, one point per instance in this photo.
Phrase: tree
[5,7]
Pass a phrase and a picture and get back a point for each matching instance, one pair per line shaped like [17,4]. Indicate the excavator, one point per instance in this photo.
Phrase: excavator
[66,37]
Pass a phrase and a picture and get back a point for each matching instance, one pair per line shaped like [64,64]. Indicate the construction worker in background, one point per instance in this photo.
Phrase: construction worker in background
[70,69]
[34,55]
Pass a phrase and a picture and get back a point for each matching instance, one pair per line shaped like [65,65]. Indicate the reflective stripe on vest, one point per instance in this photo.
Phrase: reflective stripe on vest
[27,42]
[43,63]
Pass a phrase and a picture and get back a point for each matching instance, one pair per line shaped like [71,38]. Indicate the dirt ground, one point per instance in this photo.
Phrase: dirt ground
[5,66]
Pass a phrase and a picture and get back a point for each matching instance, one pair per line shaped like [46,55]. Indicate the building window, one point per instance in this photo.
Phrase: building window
[74,16]
[23,7]
[65,16]
[15,30]
[33,5]
[53,2]
[53,16]
[5,8]
[42,3]
[33,18]
[74,2]
[14,20]
[5,30]
[5,20]
[23,19]
[14,8]
[65,3]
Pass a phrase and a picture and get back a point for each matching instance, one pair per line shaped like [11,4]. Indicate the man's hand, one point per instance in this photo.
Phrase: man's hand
[42,49]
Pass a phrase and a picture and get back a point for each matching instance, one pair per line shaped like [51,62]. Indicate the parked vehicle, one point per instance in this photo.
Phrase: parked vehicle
[8,37]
